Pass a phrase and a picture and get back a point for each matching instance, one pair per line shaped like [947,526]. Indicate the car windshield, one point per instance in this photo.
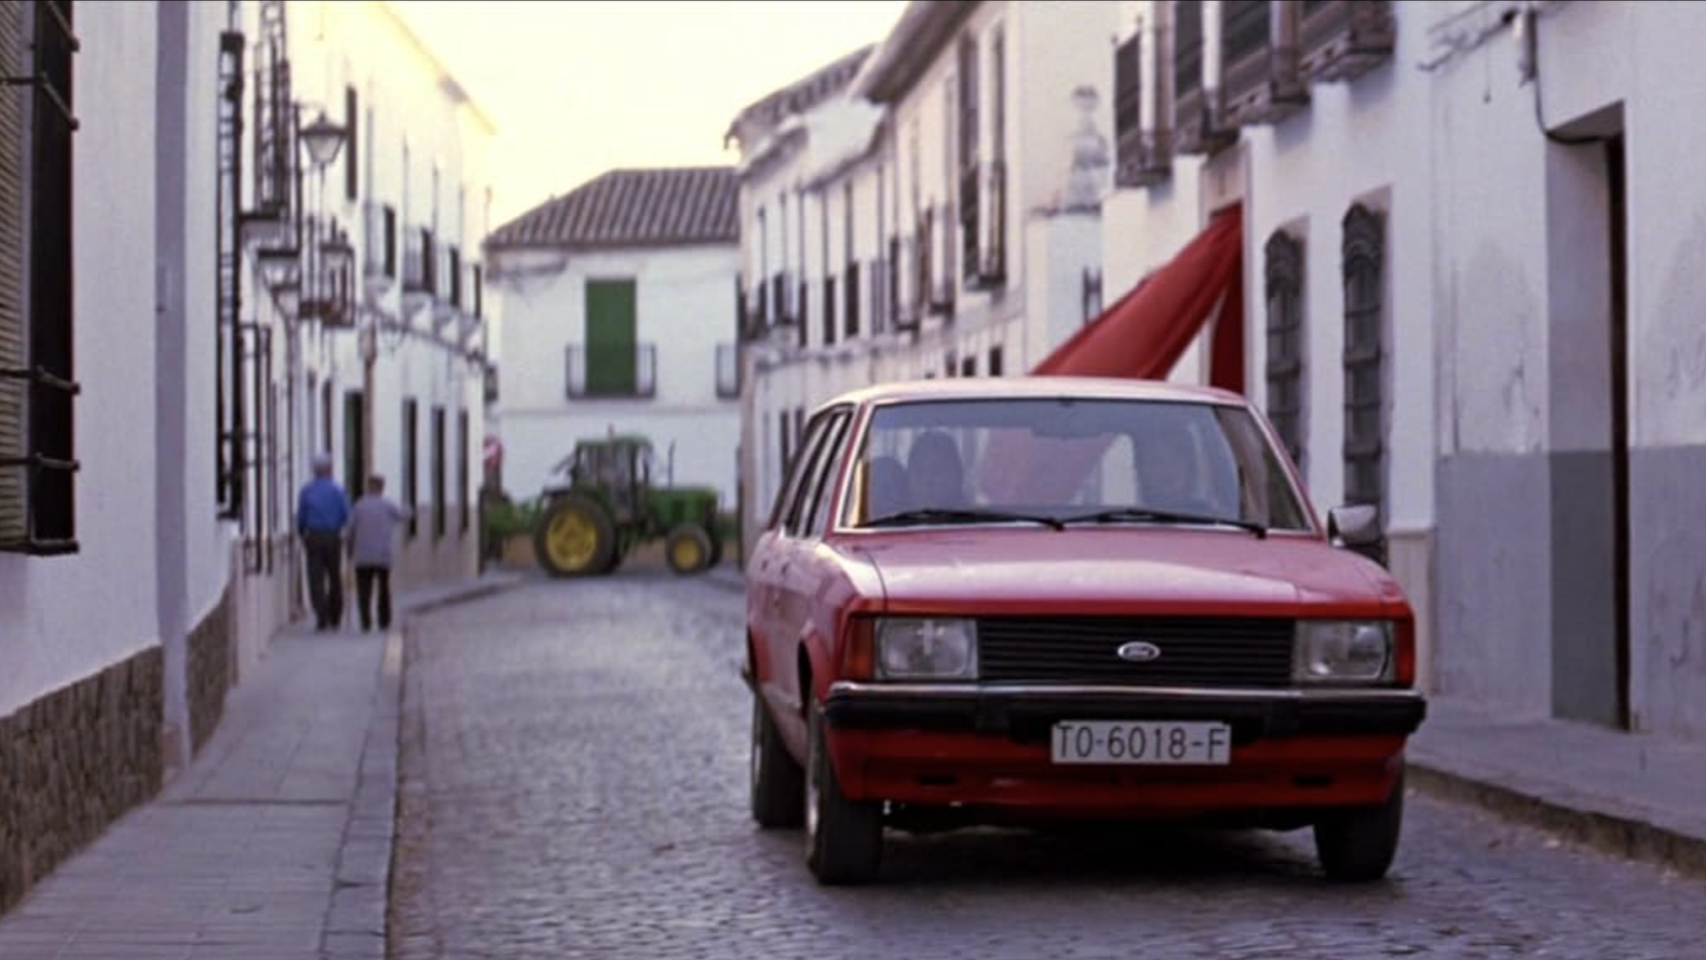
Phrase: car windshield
[1071,460]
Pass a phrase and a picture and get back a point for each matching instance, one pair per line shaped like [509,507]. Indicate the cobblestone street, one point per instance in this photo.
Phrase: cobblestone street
[574,784]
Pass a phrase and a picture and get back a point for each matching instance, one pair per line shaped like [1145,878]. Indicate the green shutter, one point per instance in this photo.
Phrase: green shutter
[610,346]
[13,136]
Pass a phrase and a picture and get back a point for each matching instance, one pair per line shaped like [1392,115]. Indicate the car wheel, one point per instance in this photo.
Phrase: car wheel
[1357,845]
[688,549]
[844,838]
[778,783]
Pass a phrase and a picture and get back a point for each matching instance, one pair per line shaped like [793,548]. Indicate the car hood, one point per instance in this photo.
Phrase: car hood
[1123,569]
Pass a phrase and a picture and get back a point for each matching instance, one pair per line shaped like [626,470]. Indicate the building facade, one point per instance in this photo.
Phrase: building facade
[620,318]
[1465,270]
[926,208]
[165,332]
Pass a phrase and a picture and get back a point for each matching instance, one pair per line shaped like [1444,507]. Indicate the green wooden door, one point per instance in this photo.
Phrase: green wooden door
[610,346]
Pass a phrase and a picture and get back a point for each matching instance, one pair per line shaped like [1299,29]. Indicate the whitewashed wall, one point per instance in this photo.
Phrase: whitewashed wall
[50,633]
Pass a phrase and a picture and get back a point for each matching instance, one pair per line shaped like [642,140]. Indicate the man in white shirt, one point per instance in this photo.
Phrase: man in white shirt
[372,538]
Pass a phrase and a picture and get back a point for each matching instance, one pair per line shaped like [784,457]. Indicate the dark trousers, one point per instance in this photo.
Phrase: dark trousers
[366,578]
[325,578]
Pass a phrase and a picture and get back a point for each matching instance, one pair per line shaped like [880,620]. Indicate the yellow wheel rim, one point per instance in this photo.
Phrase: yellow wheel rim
[686,554]
[571,540]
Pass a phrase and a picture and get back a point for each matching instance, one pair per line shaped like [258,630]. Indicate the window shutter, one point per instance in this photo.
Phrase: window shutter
[352,126]
[13,63]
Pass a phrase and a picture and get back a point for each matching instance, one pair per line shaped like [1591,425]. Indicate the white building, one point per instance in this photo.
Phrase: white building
[927,208]
[1470,271]
[151,428]
[620,318]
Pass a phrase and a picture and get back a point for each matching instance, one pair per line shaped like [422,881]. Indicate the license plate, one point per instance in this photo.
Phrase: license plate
[1141,742]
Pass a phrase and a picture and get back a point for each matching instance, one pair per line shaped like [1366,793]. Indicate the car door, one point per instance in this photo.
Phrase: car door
[800,573]
[766,591]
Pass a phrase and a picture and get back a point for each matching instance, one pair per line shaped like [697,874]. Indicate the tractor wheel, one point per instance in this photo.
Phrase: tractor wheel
[716,551]
[575,538]
[688,548]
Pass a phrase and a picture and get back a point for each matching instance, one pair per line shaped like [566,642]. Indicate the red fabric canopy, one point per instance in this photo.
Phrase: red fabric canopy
[1146,331]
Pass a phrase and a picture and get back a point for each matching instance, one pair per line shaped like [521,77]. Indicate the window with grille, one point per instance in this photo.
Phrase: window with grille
[411,464]
[37,450]
[1364,257]
[439,512]
[463,449]
[1284,278]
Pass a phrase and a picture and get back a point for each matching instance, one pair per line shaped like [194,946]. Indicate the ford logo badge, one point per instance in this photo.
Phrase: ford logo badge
[1139,651]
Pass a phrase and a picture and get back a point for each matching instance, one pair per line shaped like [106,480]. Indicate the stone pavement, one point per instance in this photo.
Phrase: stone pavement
[1634,795]
[275,842]
[574,784]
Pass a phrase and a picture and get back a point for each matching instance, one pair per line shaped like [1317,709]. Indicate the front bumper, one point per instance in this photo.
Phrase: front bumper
[1026,713]
[988,746]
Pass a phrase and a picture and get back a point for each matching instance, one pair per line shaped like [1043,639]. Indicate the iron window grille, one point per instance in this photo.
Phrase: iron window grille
[38,463]
[1365,361]
[626,371]
[1284,293]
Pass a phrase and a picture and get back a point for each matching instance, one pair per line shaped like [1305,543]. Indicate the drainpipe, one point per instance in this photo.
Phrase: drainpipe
[1211,66]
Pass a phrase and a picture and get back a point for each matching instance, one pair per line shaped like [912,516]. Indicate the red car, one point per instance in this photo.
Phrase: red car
[1016,600]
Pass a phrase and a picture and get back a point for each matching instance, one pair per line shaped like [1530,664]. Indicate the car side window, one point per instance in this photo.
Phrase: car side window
[798,469]
[800,509]
[829,468]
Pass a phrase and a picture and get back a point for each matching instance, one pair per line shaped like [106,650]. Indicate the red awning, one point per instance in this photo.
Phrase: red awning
[1146,331]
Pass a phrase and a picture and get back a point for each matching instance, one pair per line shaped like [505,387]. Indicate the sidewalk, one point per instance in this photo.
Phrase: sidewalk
[1629,794]
[275,842]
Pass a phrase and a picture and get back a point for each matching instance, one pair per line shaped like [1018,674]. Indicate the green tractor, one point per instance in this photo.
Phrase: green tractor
[605,505]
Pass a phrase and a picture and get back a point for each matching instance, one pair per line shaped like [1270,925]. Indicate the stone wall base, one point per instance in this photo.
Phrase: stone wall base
[212,669]
[72,762]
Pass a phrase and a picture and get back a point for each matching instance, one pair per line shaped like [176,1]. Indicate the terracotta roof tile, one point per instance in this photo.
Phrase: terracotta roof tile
[629,208]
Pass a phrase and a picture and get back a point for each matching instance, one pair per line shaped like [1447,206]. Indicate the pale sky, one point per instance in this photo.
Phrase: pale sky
[578,88]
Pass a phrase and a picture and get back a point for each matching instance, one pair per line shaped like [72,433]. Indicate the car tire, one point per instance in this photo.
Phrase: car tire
[1357,845]
[778,782]
[844,838]
[688,549]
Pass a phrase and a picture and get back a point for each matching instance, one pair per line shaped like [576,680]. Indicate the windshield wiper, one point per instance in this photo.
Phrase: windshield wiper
[1139,515]
[927,515]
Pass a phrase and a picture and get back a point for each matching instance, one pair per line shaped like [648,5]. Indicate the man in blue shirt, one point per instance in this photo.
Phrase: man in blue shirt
[322,512]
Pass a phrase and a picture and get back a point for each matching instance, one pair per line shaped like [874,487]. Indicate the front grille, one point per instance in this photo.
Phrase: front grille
[1195,651]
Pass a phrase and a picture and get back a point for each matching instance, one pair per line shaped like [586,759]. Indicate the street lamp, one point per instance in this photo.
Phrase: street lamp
[324,139]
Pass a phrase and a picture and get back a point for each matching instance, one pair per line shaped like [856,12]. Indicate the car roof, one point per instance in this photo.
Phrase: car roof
[1001,388]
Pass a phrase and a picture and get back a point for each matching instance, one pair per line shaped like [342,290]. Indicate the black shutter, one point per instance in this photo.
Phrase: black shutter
[352,124]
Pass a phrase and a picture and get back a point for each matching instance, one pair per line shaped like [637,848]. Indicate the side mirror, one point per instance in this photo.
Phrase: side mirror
[1354,525]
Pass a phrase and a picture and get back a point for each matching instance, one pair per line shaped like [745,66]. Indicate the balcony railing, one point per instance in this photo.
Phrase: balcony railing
[1259,50]
[728,371]
[1344,39]
[611,370]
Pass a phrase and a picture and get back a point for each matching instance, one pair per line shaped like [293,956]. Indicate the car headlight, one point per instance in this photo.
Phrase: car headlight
[926,649]
[1338,651]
